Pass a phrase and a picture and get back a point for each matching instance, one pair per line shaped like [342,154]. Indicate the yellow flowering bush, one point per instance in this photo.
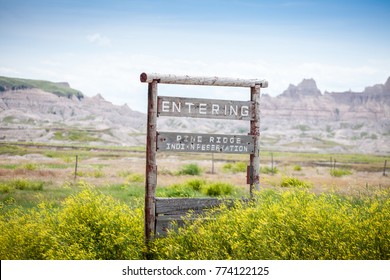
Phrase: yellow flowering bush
[294,224]
[284,224]
[88,225]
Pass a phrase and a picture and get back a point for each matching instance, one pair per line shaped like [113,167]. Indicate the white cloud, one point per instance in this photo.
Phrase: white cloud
[98,39]
[6,71]
[116,74]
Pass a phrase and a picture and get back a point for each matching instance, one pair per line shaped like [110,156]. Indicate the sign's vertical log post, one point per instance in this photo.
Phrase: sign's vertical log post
[151,166]
[255,131]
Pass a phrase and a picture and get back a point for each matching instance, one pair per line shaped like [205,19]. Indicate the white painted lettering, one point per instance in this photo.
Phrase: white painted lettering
[189,104]
[233,111]
[214,109]
[244,111]
[202,108]
[177,106]
[165,106]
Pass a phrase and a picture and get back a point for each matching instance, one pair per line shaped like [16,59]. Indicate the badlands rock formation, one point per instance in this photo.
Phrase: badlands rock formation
[301,118]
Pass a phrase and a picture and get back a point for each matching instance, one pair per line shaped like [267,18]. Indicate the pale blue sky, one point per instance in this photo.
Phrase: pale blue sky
[103,46]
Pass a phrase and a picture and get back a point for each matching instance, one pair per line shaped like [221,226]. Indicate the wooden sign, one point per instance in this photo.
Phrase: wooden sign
[204,108]
[205,143]
[157,213]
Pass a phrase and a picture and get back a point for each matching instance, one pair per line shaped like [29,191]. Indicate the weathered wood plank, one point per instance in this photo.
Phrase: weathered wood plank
[165,223]
[177,206]
[205,108]
[201,81]
[205,143]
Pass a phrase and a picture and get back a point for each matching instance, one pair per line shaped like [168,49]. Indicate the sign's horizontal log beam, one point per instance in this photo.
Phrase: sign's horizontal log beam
[201,81]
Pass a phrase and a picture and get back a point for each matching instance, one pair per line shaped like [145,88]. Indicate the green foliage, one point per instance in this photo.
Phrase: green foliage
[135,178]
[9,166]
[196,184]
[55,88]
[177,190]
[235,167]
[190,169]
[75,135]
[297,168]
[7,149]
[268,170]
[338,172]
[198,188]
[21,184]
[292,182]
[89,225]
[293,224]
[98,173]
[30,166]
[219,189]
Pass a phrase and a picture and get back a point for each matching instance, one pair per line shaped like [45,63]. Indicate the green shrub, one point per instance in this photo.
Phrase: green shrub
[218,189]
[197,188]
[97,173]
[135,178]
[297,168]
[339,172]
[21,184]
[235,167]
[177,190]
[30,166]
[5,188]
[190,169]
[291,182]
[268,170]
[196,184]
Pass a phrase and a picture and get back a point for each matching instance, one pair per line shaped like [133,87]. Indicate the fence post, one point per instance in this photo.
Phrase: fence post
[151,166]
[75,167]
[384,168]
[255,131]
[331,163]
